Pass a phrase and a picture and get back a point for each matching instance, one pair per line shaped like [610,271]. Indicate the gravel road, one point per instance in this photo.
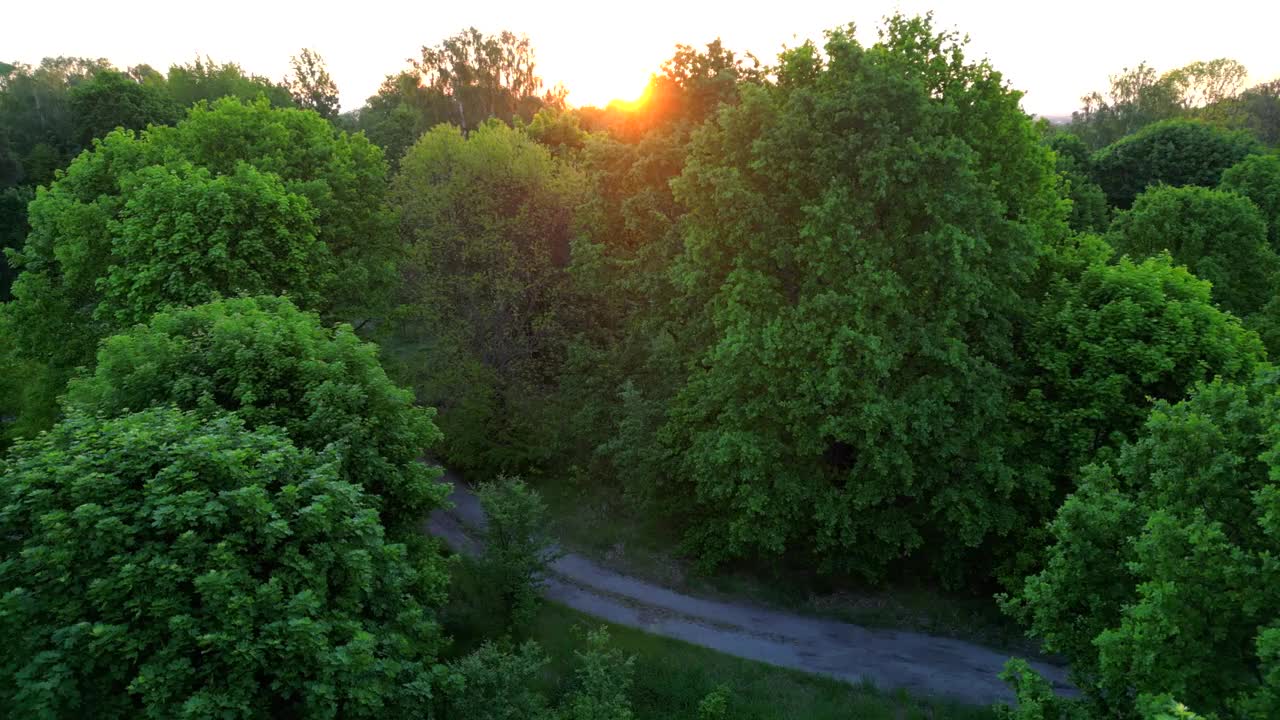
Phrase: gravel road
[922,664]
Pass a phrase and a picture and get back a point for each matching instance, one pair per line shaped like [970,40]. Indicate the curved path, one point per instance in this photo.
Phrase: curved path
[921,664]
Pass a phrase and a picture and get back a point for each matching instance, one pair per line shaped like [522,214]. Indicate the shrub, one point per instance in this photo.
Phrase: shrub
[166,564]
[496,683]
[516,548]
[273,364]
[602,681]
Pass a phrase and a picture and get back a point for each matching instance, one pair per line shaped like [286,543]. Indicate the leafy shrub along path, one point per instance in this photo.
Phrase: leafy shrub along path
[921,664]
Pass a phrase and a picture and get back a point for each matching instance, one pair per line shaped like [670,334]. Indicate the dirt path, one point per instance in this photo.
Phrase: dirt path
[921,664]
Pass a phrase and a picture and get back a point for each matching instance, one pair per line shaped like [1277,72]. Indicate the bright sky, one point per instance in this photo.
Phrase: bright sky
[601,51]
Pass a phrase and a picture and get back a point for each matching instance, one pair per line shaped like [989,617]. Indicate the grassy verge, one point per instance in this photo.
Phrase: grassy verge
[672,677]
[597,523]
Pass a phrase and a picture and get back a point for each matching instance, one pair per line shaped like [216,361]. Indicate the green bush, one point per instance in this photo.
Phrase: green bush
[273,364]
[496,683]
[1161,574]
[166,564]
[601,682]
[1172,152]
[516,549]
[1218,235]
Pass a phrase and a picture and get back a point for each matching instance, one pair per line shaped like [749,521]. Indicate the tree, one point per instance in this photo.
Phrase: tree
[857,238]
[1176,152]
[1220,236]
[111,99]
[1136,98]
[204,79]
[487,220]
[484,76]
[1257,177]
[166,564]
[1161,575]
[1089,211]
[311,86]
[273,364]
[517,551]
[237,198]
[37,118]
[1108,340]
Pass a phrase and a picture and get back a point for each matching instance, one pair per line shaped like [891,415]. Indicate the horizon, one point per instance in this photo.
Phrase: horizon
[599,64]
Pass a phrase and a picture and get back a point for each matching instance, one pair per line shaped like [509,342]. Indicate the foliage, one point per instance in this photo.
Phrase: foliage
[112,99]
[1220,236]
[1142,96]
[856,242]
[485,77]
[1161,575]
[38,129]
[496,683]
[164,564]
[517,551]
[1257,177]
[487,221]
[1088,205]
[310,85]
[272,364]
[1108,340]
[1036,698]
[235,199]
[202,79]
[13,231]
[603,680]
[1174,152]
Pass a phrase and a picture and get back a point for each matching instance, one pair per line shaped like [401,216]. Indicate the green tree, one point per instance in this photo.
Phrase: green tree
[517,550]
[1161,575]
[36,116]
[1089,211]
[857,239]
[1257,177]
[112,99]
[204,79]
[602,682]
[1175,152]
[237,198]
[485,76]
[1107,341]
[311,86]
[272,364]
[1220,236]
[487,220]
[165,564]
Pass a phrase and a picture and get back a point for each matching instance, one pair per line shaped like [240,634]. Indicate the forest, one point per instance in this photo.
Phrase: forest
[847,319]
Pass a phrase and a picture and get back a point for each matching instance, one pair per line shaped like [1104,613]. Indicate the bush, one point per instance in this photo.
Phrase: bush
[273,364]
[1219,236]
[517,551]
[1172,152]
[602,681]
[1161,576]
[495,683]
[164,564]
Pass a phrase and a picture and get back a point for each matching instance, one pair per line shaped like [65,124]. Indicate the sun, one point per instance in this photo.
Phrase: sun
[602,90]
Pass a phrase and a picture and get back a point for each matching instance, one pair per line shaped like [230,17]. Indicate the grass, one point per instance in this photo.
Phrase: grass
[672,677]
[598,524]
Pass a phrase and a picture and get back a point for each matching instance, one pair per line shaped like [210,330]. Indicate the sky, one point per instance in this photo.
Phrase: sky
[603,51]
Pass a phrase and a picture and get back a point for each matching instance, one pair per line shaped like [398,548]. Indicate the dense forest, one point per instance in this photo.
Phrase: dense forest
[849,314]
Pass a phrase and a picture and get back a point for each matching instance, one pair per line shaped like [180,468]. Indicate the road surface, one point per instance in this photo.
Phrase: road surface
[921,664]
